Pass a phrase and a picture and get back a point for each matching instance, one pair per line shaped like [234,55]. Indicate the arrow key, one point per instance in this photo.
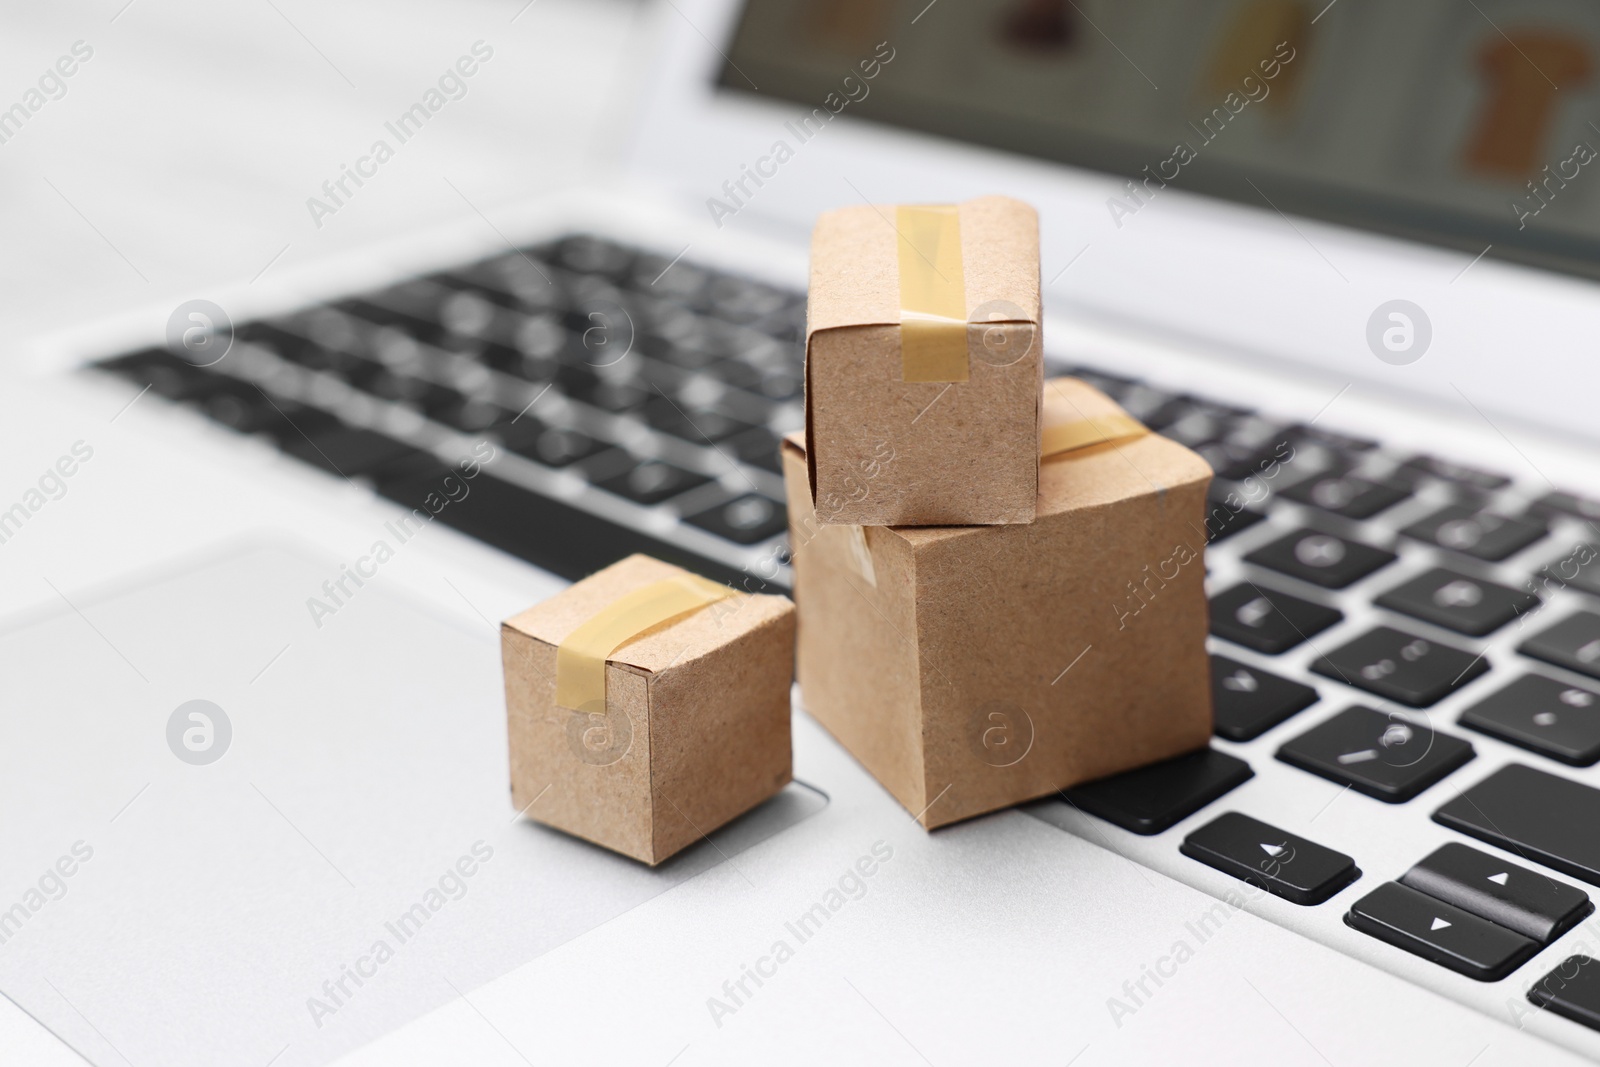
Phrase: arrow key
[1534,905]
[1299,871]
[1440,932]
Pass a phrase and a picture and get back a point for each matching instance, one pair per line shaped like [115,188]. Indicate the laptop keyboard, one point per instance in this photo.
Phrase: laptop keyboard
[635,403]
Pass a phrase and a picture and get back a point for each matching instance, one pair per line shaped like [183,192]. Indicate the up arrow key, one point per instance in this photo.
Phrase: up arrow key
[1500,879]
[1438,924]
[1272,850]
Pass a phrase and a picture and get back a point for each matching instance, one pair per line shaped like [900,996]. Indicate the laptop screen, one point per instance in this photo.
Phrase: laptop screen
[1474,125]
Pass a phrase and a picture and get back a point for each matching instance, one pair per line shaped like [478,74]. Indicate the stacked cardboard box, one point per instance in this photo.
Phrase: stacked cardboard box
[999,579]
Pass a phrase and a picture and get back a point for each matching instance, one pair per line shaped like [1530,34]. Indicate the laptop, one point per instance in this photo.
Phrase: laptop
[254,771]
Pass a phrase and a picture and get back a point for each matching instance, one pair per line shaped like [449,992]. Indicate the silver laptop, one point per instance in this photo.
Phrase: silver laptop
[257,539]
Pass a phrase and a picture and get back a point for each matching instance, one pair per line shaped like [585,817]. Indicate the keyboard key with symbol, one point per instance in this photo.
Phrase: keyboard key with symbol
[652,482]
[1268,621]
[1481,534]
[1440,932]
[1402,667]
[1322,559]
[1466,605]
[1158,797]
[1537,815]
[1350,496]
[1248,701]
[1534,905]
[1573,643]
[744,520]
[1542,715]
[1386,757]
[1300,871]
[1572,991]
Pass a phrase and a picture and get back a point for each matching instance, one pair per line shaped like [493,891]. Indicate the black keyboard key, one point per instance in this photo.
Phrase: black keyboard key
[697,425]
[1572,991]
[1542,715]
[745,520]
[1226,515]
[652,481]
[1267,621]
[411,391]
[1235,463]
[616,395]
[1570,504]
[1343,442]
[1402,667]
[1539,816]
[585,254]
[1573,643]
[287,421]
[1480,534]
[348,451]
[757,446]
[1579,567]
[165,374]
[1475,477]
[1319,558]
[1382,756]
[1249,701]
[564,540]
[551,445]
[1440,932]
[1285,865]
[1158,797]
[474,415]
[1457,602]
[1349,495]
[1532,904]
[238,406]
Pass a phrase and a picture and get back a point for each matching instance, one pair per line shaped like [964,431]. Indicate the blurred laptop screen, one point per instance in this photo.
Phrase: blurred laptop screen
[1466,124]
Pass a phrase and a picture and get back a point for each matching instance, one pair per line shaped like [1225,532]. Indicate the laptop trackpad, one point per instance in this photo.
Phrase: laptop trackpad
[328,856]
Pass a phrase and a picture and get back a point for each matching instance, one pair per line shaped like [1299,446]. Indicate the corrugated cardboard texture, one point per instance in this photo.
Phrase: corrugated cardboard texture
[697,724]
[991,665]
[885,451]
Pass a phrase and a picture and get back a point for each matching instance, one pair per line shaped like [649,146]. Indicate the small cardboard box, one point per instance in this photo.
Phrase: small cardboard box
[971,668]
[923,364]
[680,726]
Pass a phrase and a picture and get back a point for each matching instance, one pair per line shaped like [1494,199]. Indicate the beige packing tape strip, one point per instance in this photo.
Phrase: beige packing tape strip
[581,658]
[1079,433]
[933,294]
